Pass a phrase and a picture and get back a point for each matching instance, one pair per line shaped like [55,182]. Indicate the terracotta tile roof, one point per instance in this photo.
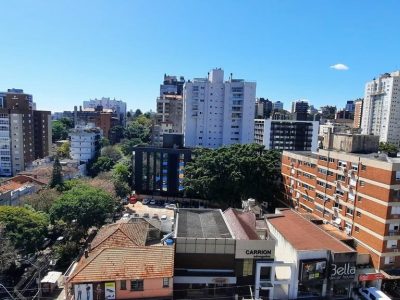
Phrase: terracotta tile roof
[304,235]
[121,235]
[10,186]
[130,263]
[243,224]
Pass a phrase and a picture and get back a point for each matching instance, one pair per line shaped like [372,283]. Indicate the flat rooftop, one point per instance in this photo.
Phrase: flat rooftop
[303,234]
[201,223]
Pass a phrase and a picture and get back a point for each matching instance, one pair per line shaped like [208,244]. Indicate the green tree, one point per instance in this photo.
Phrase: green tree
[59,131]
[117,133]
[104,142]
[231,174]
[140,128]
[122,189]
[8,254]
[388,147]
[83,204]
[25,227]
[63,150]
[122,171]
[68,123]
[112,152]
[56,176]
[101,164]
[127,146]
[42,200]
[66,253]
[137,113]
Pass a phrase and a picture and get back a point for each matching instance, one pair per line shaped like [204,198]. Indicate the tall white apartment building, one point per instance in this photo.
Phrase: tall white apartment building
[85,142]
[381,108]
[218,112]
[117,106]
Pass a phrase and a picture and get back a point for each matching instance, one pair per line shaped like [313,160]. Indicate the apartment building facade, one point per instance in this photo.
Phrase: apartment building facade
[381,108]
[85,142]
[358,110]
[168,117]
[286,134]
[25,133]
[218,112]
[358,193]
[117,106]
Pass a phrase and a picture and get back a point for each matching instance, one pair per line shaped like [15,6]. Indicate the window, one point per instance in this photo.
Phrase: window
[395,210]
[389,260]
[247,267]
[349,211]
[123,284]
[360,198]
[358,214]
[356,229]
[136,285]
[165,283]
[331,160]
[362,183]
[340,177]
[363,167]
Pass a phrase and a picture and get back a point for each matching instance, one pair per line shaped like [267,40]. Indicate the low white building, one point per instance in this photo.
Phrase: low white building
[286,134]
[85,142]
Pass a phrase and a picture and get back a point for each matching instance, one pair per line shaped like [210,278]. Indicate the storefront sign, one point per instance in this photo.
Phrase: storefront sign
[312,269]
[370,277]
[341,271]
[246,249]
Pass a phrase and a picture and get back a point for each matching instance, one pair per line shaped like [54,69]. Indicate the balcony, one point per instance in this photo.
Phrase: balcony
[394,232]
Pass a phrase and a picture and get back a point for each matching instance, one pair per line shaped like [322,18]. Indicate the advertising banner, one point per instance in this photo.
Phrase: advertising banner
[312,270]
[83,291]
[109,290]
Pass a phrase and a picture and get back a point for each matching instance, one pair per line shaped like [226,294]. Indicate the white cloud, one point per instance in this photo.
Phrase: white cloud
[339,67]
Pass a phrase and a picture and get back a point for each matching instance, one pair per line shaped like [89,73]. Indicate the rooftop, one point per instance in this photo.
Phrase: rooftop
[140,262]
[303,234]
[201,223]
[242,224]
[121,235]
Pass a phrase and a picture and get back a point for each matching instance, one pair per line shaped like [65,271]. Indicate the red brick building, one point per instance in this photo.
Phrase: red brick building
[358,193]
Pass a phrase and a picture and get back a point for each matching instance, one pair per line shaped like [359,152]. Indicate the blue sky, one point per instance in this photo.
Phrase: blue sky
[65,52]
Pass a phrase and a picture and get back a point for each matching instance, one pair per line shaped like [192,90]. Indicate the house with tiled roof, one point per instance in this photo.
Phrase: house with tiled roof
[14,189]
[120,264]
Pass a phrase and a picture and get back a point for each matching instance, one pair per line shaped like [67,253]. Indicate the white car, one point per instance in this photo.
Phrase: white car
[163,218]
[153,202]
[170,206]
[373,294]
[146,201]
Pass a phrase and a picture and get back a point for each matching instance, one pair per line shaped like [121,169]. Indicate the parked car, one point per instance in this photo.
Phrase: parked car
[132,199]
[153,202]
[155,216]
[146,215]
[136,215]
[373,293]
[170,206]
[146,201]
[163,218]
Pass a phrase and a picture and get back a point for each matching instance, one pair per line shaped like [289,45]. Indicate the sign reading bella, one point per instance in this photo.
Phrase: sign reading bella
[343,270]
[252,249]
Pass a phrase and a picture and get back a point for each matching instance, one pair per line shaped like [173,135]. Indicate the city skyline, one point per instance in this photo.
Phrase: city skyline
[321,52]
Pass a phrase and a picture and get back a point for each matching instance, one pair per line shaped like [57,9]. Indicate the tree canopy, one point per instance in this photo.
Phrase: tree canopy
[42,200]
[56,176]
[88,205]
[388,147]
[59,131]
[24,227]
[231,174]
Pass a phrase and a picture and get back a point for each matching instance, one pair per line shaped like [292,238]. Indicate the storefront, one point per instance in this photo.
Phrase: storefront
[342,274]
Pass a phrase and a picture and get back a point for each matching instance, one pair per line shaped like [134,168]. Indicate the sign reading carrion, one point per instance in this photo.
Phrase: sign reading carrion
[248,249]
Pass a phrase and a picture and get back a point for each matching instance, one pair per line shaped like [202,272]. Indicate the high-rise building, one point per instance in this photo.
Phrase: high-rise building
[381,108]
[357,193]
[25,133]
[116,106]
[171,85]
[358,108]
[277,105]
[286,134]
[168,117]
[350,106]
[300,110]
[218,112]
[263,108]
